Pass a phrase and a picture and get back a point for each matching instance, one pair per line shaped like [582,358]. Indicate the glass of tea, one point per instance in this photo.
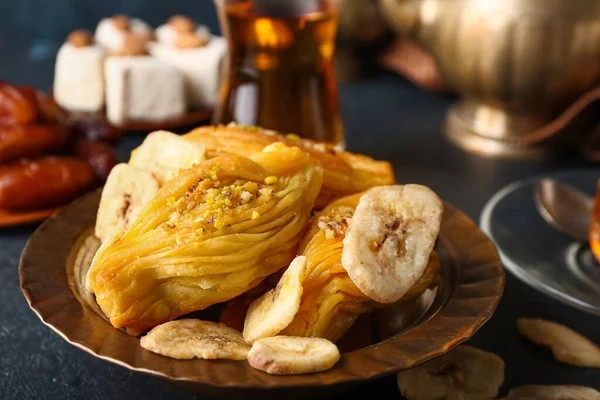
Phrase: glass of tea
[595,225]
[279,73]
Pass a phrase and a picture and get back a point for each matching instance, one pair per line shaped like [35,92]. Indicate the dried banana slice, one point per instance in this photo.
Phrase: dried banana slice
[567,345]
[290,355]
[271,313]
[463,373]
[126,192]
[553,392]
[188,338]
[390,239]
[164,154]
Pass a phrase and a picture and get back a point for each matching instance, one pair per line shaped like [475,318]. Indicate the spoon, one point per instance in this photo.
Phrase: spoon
[564,207]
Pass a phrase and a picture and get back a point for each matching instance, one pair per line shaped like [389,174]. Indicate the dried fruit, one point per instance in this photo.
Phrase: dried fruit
[18,105]
[97,129]
[17,141]
[289,355]
[43,182]
[188,338]
[125,194]
[463,373]
[556,392]
[164,154]
[390,239]
[50,111]
[567,345]
[271,313]
[100,156]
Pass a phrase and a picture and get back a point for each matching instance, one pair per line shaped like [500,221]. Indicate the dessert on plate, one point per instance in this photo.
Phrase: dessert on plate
[132,73]
[142,88]
[297,237]
[213,232]
[196,53]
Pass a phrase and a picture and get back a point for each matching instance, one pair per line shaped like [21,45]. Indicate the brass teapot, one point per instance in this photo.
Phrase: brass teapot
[517,64]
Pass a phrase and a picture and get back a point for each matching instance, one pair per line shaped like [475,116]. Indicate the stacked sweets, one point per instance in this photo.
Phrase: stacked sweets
[136,74]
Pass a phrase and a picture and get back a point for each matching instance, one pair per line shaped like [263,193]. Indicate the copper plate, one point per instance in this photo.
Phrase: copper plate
[12,218]
[56,257]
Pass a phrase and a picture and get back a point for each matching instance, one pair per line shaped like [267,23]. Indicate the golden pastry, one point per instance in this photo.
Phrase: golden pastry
[344,173]
[210,234]
[331,302]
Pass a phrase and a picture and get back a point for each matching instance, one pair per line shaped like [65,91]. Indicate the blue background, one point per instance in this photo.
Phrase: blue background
[40,26]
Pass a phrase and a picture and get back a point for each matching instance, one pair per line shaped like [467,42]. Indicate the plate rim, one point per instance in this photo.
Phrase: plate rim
[10,218]
[378,358]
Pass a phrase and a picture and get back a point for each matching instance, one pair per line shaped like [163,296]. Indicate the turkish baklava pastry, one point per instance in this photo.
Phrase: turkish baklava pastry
[336,288]
[210,234]
[344,173]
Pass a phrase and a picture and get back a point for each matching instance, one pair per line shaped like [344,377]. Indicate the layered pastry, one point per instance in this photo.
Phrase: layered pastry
[79,74]
[111,33]
[213,232]
[197,54]
[143,88]
[344,172]
[331,301]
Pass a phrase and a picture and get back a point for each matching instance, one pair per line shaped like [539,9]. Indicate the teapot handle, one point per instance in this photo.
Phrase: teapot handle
[562,120]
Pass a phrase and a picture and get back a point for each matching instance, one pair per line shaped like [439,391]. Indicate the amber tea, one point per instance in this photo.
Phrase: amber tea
[280,69]
[595,226]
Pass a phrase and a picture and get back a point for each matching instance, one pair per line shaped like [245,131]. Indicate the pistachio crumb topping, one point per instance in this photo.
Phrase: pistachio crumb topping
[270,180]
[219,224]
[336,226]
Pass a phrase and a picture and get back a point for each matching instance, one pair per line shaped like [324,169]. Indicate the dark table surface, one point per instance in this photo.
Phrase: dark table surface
[385,117]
